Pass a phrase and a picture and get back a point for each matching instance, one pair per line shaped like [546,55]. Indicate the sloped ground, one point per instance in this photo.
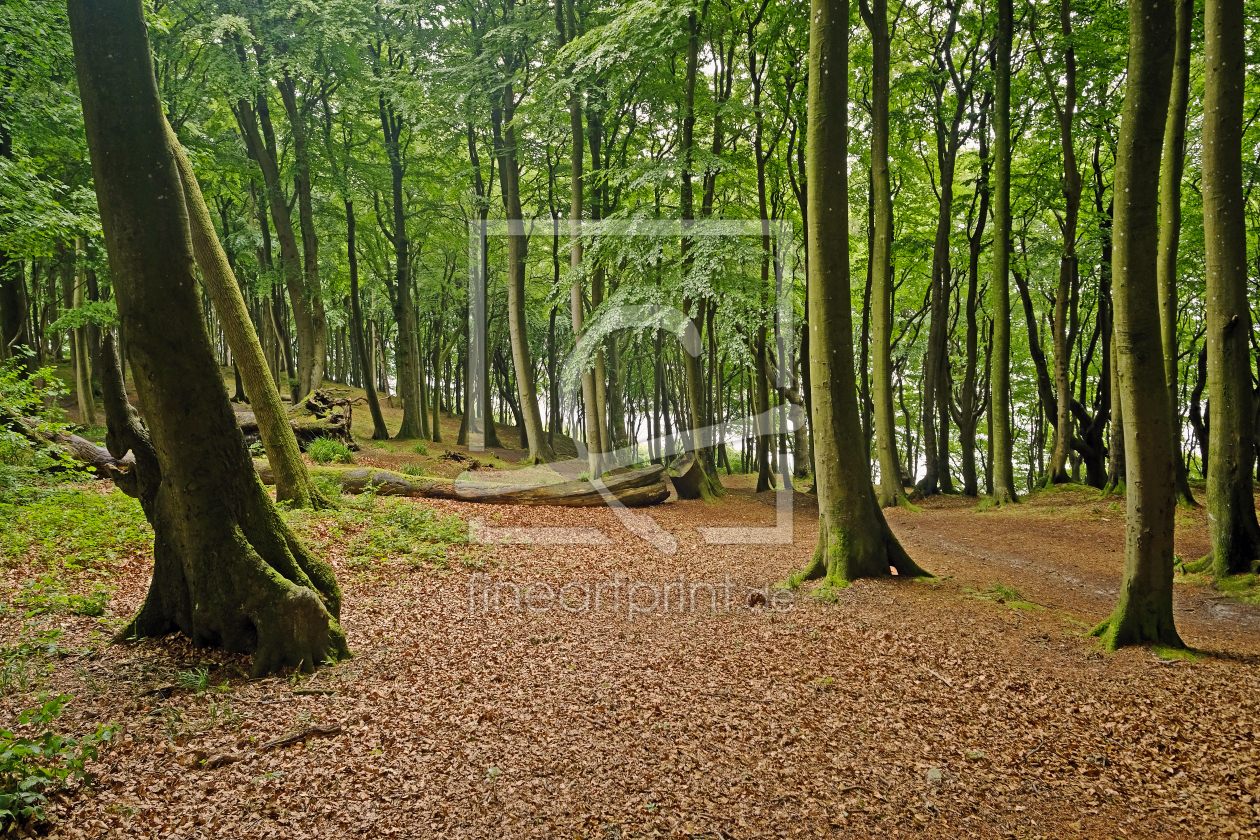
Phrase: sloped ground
[944,709]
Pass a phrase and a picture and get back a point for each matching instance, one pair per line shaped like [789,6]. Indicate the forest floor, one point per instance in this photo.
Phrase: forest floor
[970,705]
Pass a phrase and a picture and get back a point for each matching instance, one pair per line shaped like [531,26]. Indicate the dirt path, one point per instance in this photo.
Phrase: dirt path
[498,699]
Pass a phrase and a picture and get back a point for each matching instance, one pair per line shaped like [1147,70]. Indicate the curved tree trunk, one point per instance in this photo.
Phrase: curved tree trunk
[1170,230]
[854,540]
[227,570]
[1143,613]
[1230,502]
[518,242]
[292,482]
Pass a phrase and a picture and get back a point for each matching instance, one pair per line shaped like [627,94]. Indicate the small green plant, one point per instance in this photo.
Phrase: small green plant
[420,449]
[414,469]
[31,768]
[328,451]
[198,679]
[1000,593]
[257,450]
[327,485]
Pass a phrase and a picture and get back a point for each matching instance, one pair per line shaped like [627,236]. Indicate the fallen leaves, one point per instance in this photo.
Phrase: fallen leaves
[906,710]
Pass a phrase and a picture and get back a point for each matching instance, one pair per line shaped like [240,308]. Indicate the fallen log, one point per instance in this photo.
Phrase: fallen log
[638,488]
[686,477]
[323,414]
[79,448]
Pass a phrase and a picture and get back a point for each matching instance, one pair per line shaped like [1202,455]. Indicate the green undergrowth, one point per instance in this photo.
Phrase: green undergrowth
[369,529]
[36,761]
[1244,589]
[1000,593]
[70,538]
[328,451]
[75,527]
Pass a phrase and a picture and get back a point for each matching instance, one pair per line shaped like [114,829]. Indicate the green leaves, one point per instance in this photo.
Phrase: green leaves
[33,767]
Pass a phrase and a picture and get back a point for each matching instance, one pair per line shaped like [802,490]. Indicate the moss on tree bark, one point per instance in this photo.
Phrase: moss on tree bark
[227,571]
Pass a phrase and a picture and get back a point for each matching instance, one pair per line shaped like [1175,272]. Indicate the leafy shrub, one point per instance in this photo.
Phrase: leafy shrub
[328,451]
[28,469]
[30,768]
[257,450]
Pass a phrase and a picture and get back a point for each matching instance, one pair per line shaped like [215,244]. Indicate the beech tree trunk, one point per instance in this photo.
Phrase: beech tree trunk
[227,570]
[518,243]
[1170,230]
[82,365]
[1143,613]
[1231,449]
[292,482]
[566,24]
[999,283]
[854,540]
[366,363]
[891,483]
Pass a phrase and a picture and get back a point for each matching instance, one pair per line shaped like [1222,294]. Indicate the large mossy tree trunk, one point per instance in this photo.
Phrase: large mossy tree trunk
[227,571]
[1143,612]
[999,286]
[854,539]
[293,484]
[1170,230]
[1231,449]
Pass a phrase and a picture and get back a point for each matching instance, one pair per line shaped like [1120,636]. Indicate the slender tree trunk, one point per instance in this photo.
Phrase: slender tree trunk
[891,490]
[1231,452]
[1170,229]
[408,350]
[518,241]
[82,366]
[854,540]
[293,484]
[310,364]
[1144,610]
[379,431]
[999,283]
[255,122]
[227,570]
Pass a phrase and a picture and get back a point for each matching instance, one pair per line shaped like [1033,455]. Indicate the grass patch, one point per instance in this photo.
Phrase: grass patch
[1000,593]
[328,451]
[420,449]
[1175,654]
[370,529]
[74,529]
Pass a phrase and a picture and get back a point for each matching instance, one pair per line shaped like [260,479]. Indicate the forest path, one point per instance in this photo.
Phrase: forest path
[1065,550]
[492,696]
